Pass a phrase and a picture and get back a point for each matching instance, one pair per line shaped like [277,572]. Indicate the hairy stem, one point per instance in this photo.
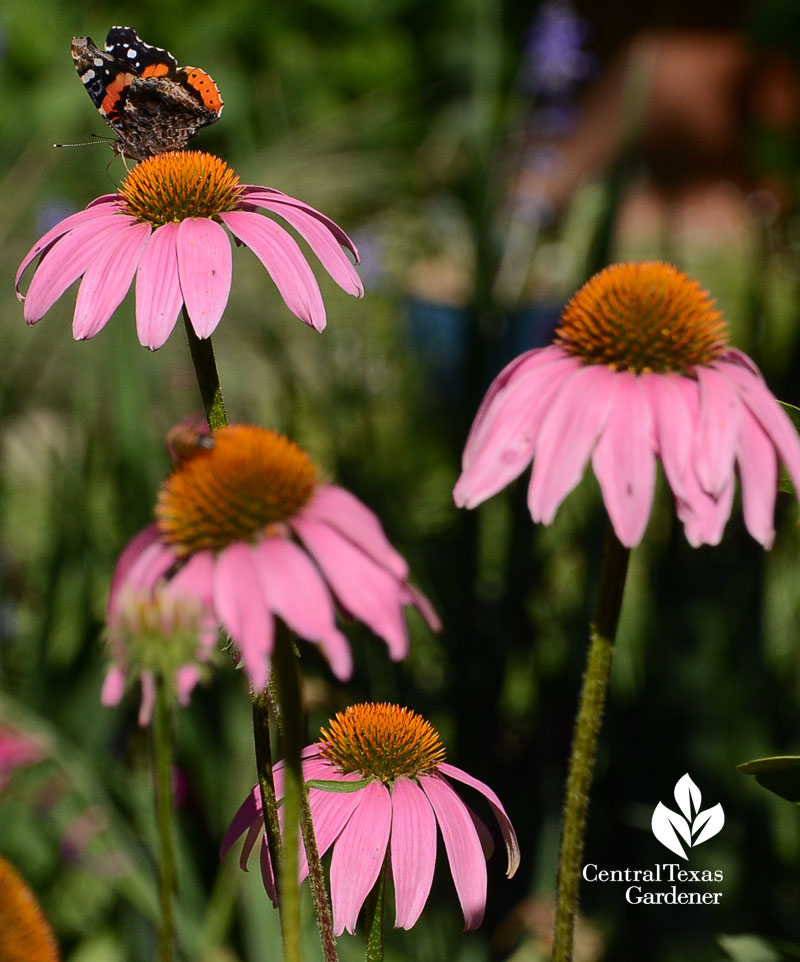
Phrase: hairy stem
[584,743]
[269,805]
[290,728]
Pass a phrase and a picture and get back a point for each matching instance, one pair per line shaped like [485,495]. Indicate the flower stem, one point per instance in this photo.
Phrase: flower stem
[290,729]
[269,805]
[162,752]
[205,369]
[374,910]
[317,880]
[584,743]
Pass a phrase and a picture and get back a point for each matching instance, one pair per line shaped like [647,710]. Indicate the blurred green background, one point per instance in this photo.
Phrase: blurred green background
[485,171]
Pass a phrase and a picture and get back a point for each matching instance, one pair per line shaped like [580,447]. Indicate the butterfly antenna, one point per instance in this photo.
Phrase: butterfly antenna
[99,139]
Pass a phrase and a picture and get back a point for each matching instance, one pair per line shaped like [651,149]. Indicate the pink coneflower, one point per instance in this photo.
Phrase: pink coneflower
[246,527]
[165,226]
[390,820]
[156,632]
[640,369]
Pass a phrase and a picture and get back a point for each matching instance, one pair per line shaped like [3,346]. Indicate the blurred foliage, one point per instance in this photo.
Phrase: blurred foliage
[780,775]
[399,119]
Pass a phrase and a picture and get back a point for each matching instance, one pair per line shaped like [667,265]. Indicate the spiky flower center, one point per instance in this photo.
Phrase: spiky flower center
[639,317]
[234,490]
[25,935]
[180,184]
[381,740]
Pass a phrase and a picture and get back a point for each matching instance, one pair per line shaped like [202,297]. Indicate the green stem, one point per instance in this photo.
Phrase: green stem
[269,805]
[374,911]
[205,369]
[290,728]
[162,751]
[584,744]
[317,880]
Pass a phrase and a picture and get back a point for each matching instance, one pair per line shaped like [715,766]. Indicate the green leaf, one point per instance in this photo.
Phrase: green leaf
[327,785]
[784,483]
[748,948]
[780,774]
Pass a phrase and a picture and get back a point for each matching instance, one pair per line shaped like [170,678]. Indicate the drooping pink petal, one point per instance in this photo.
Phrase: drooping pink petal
[148,699]
[107,279]
[267,874]
[78,219]
[278,252]
[241,607]
[354,520]
[158,290]
[413,851]
[484,835]
[254,834]
[704,517]
[128,558]
[324,244]
[113,686]
[144,568]
[769,414]
[674,424]
[195,578]
[366,590]
[573,423]
[506,828]
[67,259]
[186,677]
[740,359]
[247,813]
[205,269]
[758,473]
[358,855]
[268,196]
[296,592]
[502,446]
[720,419]
[314,766]
[330,812]
[624,463]
[463,847]
[409,595]
[524,364]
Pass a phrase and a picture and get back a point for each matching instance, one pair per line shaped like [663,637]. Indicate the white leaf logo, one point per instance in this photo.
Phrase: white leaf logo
[692,826]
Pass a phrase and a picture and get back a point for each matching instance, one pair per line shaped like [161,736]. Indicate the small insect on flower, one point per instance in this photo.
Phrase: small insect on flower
[188,439]
[248,529]
[150,103]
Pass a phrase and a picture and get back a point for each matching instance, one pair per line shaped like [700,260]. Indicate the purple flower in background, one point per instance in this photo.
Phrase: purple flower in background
[554,61]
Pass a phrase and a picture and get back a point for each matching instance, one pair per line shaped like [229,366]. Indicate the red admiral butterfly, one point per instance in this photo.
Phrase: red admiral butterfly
[150,103]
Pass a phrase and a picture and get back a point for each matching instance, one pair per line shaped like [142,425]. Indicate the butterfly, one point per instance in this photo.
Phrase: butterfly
[150,103]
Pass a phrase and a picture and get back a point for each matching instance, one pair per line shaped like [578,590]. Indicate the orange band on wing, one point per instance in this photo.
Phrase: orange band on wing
[156,70]
[109,105]
[199,80]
